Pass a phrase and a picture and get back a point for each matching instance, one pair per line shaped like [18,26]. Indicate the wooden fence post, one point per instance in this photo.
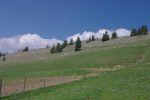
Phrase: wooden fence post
[1,81]
[24,84]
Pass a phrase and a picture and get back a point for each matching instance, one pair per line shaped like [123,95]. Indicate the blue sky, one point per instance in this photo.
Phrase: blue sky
[62,18]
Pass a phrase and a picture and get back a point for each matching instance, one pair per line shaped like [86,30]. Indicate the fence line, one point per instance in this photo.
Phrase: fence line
[15,86]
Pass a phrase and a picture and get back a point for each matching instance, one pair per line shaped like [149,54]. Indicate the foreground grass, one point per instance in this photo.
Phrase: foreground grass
[131,83]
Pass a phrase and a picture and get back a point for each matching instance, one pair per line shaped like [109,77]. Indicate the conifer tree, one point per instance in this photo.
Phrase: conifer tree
[133,32]
[78,44]
[144,30]
[93,38]
[114,35]
[105,36]
[59,47]
[52,50]
[71,42]
[65,44]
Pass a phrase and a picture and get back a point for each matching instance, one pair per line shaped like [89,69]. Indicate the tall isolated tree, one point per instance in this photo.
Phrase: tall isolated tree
[71,42]
[93,38]
[105,36]
[114,35]
[78,44]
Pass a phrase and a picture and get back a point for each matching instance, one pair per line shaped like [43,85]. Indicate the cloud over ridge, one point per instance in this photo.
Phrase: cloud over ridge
[35,41]
[87,34]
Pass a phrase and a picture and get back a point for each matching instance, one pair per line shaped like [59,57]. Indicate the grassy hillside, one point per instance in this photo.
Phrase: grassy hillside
[126,84]
[95,54]
[131,82]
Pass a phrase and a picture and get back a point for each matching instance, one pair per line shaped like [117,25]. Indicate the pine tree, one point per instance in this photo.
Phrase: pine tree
[144,30]
[114,35]
[59,47]
[25,49]
[52,50]
[93,38]
[105,36]
[71,42]
[78,44]
[133,32]
[139,31]
[65,44]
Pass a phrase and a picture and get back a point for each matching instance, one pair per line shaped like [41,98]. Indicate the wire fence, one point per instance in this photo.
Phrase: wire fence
[8,87]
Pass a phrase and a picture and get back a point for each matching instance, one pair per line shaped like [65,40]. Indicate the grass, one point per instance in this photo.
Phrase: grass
[131,83]
[72,64]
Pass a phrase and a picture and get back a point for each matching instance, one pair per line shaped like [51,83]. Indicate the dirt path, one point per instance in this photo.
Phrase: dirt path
[35,83]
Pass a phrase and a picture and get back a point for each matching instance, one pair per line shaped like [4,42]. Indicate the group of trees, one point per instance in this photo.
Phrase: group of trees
[59,47]
[92,38]
[78,44]
[24,50]
[106,37]
[140,31]
[2,56]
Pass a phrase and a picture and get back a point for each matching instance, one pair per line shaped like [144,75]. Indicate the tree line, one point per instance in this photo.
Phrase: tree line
[143,30]
[59,47]
[78,43]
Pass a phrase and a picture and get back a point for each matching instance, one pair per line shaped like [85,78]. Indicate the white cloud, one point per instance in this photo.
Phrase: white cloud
[85,35]
[33,41]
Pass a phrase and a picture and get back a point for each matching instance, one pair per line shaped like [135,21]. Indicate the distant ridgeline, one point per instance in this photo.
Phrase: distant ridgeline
[143,30]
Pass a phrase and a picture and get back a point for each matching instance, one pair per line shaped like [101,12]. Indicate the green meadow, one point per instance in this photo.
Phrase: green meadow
[132,82]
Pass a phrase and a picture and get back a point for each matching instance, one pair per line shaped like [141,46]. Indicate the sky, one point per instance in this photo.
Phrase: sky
[62,19]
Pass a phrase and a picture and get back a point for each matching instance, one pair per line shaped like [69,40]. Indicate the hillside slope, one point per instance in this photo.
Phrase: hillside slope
[133,54]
